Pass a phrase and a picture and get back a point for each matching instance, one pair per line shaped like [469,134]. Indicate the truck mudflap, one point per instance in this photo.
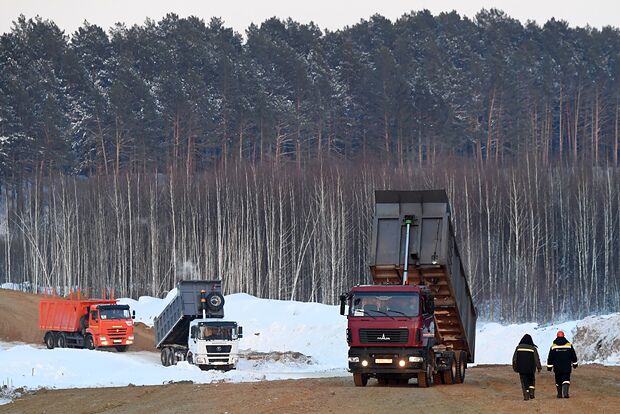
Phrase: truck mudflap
[378,360]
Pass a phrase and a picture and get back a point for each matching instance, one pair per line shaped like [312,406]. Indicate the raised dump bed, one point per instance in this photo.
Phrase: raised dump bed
[433,259]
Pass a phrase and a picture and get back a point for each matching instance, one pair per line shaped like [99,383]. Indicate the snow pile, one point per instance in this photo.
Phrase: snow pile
[495,343]
[147,307]
[34,367]
[313,329]
[597,339]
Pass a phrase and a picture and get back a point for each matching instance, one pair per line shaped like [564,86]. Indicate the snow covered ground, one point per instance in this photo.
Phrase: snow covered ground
[315,330]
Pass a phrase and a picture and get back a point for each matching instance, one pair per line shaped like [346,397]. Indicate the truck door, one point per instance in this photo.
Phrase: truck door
[428,321]
[94,320]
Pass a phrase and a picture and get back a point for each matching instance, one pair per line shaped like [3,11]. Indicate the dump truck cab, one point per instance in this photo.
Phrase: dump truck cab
[110,324]
[214,344]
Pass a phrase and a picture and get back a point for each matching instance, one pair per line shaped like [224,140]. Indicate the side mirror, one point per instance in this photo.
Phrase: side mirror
[240,332]
[133,314]
[343,299]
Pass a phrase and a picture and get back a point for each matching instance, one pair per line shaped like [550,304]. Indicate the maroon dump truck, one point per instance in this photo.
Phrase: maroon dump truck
[417,319]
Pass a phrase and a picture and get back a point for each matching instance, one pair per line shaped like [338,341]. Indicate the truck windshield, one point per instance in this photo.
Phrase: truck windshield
[114,312]
[383,304]
[208,331]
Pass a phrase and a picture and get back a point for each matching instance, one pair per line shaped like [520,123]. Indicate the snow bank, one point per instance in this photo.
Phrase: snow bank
[597,339]
[34,367]
[147,307]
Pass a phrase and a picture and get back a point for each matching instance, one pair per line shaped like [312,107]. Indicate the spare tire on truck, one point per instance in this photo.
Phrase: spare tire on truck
[215,301]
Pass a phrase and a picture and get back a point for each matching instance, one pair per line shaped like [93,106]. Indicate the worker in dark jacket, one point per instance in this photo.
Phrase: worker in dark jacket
[562,358]
[526,362]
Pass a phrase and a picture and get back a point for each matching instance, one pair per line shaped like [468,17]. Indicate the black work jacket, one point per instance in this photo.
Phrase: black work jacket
[525,360]
[561,356]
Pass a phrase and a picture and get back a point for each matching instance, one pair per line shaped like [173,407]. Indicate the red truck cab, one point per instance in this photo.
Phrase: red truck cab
[390,330]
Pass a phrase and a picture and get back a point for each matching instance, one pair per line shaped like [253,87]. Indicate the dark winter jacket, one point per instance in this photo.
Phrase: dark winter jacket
[561,356]
[525,360]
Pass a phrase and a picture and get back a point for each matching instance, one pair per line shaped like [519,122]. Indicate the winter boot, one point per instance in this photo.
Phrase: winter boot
[526,394]
[559,388]
[565,390]
[531,391]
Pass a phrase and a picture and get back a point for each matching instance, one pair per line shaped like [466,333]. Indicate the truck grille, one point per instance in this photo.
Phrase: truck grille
[117,333]
[384,336]
[218,349]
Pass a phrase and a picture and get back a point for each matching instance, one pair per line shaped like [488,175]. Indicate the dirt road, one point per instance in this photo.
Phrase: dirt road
[595,389]
[20,321]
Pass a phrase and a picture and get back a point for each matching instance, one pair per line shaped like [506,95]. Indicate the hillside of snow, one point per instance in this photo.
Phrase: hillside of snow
[271,326]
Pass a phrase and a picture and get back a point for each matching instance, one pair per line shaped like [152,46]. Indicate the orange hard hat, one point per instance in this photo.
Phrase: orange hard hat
[560,334]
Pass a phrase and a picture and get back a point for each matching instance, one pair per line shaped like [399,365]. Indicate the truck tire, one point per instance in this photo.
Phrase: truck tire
[164,356]
[88,342]
[121,348]
[190,358]
[172,359]
[215,301]
[49,340]
[360,380]
[461,363]
[425,379]
[61,340]
[448,376]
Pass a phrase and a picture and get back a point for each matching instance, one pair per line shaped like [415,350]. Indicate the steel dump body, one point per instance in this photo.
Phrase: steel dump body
[57,314]
[172,325]
[433,260]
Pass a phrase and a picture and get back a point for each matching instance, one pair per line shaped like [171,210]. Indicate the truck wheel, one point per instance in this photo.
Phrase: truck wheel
[121,348]
[425,379]
[190,358]
[49,340]
[172,359]
[360,380]
[461,363]
[88,342]
[215,301]
[164,357]
[448,376]
[61,340]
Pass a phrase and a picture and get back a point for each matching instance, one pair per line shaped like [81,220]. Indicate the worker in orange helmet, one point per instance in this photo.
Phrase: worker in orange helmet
[562,358]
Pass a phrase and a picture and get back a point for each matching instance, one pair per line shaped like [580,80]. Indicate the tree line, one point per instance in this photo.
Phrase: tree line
[184,94]
[538,243]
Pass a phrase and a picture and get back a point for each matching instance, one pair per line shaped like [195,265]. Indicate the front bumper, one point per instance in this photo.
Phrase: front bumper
[379,360]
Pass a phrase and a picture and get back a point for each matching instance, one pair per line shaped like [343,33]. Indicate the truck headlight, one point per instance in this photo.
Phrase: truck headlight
[130,337]
[416,359]
[200,360]
[354,359]
[102,338]
[364,363]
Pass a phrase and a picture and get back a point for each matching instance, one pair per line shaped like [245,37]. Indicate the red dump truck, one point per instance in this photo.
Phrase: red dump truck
[417,319]
[86,323]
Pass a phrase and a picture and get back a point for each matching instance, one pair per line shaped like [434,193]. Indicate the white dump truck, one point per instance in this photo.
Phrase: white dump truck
[191,328]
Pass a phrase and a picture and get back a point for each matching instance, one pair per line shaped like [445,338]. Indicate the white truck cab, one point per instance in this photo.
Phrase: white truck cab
[214,344]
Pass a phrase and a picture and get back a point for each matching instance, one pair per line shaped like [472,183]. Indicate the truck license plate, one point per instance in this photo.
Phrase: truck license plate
[383,361]
[118,341]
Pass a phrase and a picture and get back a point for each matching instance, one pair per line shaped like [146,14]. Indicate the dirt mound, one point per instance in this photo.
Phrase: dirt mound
[20,321]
